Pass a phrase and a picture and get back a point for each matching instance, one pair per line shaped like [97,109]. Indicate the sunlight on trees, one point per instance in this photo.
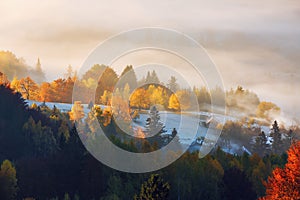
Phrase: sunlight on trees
[154,188]
[8,181]
[267,110]
[139,99]
[174,103]
[77,112]
[285,183]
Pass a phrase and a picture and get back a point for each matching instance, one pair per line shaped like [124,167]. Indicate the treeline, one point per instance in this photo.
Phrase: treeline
[50,162]
[152,92]
[252,137]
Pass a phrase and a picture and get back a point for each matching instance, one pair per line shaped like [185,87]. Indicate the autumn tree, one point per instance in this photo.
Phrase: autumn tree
[15,85]
[120,107]
[46,92]
[106,116]
[8,181]
[28,88]
[154,188]
[106,97]
[155,95]
[139,99]
[77,112]
[267,110]
[107,81]
[3,79]
[174,103]
[285,183]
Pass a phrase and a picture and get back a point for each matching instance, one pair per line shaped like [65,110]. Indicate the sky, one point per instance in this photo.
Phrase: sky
[255,43]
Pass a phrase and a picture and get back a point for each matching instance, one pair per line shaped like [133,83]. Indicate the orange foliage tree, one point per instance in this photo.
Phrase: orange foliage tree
[285,183]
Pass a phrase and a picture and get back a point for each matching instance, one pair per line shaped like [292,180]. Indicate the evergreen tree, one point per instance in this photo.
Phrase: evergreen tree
[260,146]
[153,124]
[128,76]
[172,84]
[152,78]
[154,189]
[39,74]
[276,136]
[8,181]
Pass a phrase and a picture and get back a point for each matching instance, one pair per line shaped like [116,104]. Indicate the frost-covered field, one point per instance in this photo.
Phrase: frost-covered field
[187,124]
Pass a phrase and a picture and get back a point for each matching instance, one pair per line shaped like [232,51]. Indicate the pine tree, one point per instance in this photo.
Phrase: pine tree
[154,188]
[128,76]
[153,124]
[277,142]
[260,146]
[8,181]
[39,74]
[172,84]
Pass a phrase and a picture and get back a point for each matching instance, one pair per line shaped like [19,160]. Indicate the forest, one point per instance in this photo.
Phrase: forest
[43,157]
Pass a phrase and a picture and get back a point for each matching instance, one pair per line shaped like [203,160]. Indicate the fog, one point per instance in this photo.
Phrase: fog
[255,44]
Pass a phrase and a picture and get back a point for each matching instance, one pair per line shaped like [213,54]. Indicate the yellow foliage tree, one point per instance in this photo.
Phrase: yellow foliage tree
[106,97]
[77,112]
[139,99]
[15,85]
[267,110]
[174,103]
[156,96]
[29,89]
[106,116]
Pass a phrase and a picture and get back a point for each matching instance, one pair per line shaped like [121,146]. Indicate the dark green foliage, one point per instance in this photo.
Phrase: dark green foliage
[261,147]
[237,185]
[154,189]
[51,162]
[153,124]
[8,181]
[277,144]
[13,114]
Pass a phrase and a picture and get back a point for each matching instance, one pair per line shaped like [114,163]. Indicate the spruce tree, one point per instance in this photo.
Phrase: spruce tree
[153,124]
[277,142]
[260,146]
